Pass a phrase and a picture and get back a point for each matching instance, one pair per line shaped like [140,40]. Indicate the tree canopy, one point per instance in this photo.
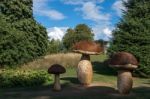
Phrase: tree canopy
[132,33]
[80,32]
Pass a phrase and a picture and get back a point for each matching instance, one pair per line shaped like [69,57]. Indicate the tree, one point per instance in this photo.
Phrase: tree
[104,45]
[102,42]
[55,46]
[80,32]
[21,37]
[133,34]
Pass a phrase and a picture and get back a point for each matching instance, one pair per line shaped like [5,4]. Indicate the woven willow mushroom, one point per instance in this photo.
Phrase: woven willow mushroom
[125,63]
[56,69]
[84,69]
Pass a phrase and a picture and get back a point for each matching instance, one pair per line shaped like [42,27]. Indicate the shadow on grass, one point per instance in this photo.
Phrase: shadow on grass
[76,92]
[142,90]
[67,91]
[103,68]
[72,80]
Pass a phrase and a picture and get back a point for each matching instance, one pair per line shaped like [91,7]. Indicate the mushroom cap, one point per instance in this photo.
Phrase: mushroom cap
[123,60]
[87,47]
[56,69]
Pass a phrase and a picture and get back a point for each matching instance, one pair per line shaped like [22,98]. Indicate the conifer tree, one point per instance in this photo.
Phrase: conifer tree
[21,37]
[132,34]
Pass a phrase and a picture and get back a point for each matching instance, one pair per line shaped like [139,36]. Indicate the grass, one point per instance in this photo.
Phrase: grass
[103,86]
[67,60]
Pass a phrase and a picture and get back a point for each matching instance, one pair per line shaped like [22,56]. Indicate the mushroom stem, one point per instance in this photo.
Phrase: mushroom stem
[84,70]
[124,81]
[57,86]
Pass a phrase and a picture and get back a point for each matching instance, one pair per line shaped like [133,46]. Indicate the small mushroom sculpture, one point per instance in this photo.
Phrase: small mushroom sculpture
[56,69]
[125,63]
[84,69]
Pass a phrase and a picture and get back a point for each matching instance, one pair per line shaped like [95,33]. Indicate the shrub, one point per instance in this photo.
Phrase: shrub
[23,78]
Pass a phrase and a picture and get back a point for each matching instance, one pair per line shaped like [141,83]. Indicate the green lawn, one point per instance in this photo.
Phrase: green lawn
[103,86]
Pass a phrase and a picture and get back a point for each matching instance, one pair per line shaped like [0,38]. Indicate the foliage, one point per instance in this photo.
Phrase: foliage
[23,78]
[16,10]
[55,46]
[102,42]
[133,34]
[80,32]
[21,37]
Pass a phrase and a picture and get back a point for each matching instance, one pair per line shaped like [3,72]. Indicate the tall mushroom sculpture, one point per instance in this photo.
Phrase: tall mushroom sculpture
[84,69]
[125,63]
[56,69]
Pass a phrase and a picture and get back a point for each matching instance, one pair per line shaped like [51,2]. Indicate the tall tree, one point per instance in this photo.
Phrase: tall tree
[133,33]
[21,37]
[80,32]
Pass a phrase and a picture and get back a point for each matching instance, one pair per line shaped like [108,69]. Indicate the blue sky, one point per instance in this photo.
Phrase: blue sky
[59,15]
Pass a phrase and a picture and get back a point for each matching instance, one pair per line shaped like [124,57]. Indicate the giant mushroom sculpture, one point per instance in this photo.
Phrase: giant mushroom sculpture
[56,69]
[84,69]
[125,63]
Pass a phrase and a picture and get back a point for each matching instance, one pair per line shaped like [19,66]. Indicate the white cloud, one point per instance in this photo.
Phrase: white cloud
[80,2]
[56,33]
[89,9]
[118,7]
[52,14]
[40,8]
[92,12]
[107,32]
[39,3]
[102,31]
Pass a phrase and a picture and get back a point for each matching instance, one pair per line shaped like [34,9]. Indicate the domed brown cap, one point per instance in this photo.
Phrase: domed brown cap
[87,47]
[123,60]
[56,69]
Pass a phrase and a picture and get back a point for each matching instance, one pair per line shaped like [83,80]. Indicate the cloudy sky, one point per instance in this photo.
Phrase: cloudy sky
[59,15]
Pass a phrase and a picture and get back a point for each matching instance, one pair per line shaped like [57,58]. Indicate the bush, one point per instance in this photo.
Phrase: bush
[23,78]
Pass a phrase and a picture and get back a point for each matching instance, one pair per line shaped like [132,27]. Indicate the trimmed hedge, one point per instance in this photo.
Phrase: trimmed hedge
[23,78]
